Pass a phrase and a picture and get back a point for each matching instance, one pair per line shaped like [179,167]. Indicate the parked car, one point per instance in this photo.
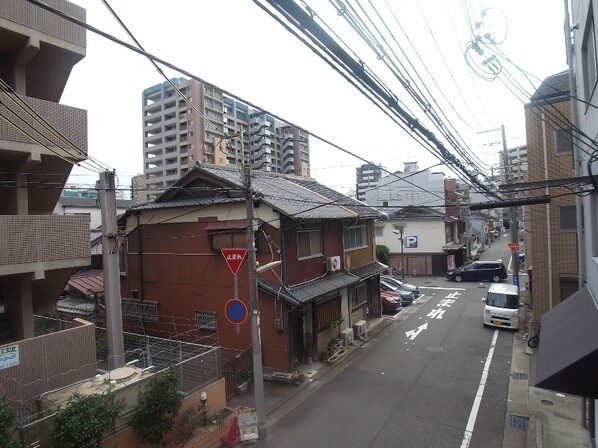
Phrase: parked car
[402,284]
[391,301]
[494,271]
[407,297]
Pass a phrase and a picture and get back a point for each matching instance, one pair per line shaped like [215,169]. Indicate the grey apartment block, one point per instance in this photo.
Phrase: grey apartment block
[208,126]
[367,177]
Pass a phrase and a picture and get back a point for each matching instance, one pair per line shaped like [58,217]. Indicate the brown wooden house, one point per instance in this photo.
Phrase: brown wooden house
[176,281]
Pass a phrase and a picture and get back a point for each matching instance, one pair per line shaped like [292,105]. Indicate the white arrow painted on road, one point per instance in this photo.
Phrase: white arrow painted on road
[413,333]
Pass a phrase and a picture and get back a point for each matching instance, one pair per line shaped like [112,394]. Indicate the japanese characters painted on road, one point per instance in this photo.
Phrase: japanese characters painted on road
[235,311]
[234,258]
[514,247]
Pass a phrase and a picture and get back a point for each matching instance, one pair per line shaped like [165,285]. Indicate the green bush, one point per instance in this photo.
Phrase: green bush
[383,254]
[8,425]
[157,407]
[84,420]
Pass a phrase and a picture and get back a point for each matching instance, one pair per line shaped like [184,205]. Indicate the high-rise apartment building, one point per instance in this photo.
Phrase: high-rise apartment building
[367,176]
[217,129]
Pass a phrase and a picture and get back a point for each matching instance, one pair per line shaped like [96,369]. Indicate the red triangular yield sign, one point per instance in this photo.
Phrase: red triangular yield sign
[514,247]
[234,258]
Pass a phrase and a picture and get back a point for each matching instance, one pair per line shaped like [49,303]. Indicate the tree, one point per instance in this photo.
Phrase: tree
[84,420]
[157,406]
[8,425]
[382,254]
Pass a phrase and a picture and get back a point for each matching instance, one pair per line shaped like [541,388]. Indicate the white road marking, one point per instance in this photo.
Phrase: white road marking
[475,408]
[412,334]
[442,288]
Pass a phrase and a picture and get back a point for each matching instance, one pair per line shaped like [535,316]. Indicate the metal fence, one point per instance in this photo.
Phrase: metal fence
[195,365]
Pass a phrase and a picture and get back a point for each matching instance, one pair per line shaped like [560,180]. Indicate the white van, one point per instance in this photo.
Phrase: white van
[502,306]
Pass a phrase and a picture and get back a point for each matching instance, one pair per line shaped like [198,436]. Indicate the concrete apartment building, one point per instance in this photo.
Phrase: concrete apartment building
[367,177]
[424,189]
[38,251]
[220,131]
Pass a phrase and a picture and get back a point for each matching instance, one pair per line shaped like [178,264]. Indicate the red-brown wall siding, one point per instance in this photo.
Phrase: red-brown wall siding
[299,271]
[181,272]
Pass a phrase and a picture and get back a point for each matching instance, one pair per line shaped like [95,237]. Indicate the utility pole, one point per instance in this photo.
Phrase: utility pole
[512,213]
[258,375]
[114,321]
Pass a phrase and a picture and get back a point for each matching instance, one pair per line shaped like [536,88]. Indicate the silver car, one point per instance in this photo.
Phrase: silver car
[404,286]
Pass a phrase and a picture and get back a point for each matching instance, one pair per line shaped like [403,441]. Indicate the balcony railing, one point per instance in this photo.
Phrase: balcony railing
[26,239]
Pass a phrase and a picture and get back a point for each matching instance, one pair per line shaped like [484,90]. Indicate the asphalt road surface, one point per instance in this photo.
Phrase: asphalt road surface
[435,378]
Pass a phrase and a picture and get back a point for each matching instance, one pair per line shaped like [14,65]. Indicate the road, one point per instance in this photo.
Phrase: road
[437,378]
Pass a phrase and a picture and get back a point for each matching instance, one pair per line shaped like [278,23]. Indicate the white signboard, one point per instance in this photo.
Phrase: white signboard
[248,424]
[9,356]
[411,242]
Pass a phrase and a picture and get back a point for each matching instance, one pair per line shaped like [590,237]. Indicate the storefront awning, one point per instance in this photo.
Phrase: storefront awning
[568,350]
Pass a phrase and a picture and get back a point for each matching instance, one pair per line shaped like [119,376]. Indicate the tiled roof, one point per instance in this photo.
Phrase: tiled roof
[202,201]
[307,292]
[368,270]
[553,87]
[293,196]
[311,290]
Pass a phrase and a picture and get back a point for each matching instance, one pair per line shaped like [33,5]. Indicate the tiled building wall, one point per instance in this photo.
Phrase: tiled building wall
[551,252]
[48,362]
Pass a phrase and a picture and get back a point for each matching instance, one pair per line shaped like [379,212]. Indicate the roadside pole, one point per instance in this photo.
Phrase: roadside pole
[512,213]
[114,322]
[258,375]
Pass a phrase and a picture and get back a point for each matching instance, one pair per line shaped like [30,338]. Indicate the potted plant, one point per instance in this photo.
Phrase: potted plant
[243,379]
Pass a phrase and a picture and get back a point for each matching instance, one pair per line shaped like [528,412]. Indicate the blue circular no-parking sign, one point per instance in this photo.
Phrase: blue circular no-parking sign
[235,311]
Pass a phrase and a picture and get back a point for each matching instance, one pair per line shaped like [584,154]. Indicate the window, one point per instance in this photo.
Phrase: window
[135,309]
[563,141]
[309,243]
[568,217]
[357,296]
[589,60]
[224,240]
[205,320]
[354,237]
[328,312]
[379,231]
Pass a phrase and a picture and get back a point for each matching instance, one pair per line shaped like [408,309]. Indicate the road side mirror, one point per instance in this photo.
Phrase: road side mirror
[483,299]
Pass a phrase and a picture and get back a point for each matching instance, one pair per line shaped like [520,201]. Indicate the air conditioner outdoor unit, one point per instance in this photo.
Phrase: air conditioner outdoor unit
[333,263]
[360,329]
[347,336]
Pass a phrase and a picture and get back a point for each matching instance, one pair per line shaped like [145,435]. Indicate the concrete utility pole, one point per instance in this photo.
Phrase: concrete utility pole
[258,375]
[512,212]
[112,298]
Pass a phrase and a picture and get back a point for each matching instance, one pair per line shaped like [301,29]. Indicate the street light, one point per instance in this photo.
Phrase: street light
[399,229]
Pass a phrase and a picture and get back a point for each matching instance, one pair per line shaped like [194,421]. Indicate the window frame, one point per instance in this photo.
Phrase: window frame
[315,234]
[560,136]
[135,308]
[211,317]
[570,216]
[350,237]
[354,296]
[589,59]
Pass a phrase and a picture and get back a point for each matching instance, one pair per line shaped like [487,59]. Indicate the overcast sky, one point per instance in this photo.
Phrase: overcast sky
[236,46]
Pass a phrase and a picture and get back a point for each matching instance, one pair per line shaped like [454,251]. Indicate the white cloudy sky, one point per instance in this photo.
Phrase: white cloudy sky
[238,47]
